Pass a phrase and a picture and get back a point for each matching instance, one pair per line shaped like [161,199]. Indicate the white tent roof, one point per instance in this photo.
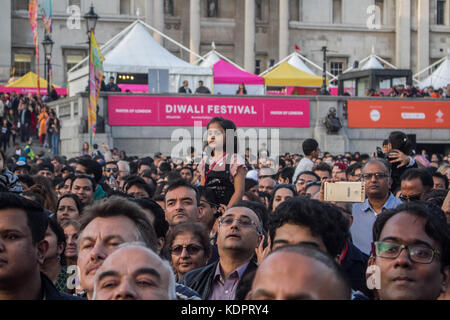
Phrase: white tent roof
[295,61]
[372,63]
[439,78]
[210,59]
[135,51]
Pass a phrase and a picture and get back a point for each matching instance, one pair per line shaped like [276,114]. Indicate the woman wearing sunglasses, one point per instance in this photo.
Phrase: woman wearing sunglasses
[189,247]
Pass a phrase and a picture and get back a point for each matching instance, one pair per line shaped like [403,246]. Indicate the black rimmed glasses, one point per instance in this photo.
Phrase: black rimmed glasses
[419,253]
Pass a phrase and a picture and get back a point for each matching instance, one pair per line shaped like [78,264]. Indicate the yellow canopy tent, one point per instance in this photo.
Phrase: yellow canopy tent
[287,75]
[29,80]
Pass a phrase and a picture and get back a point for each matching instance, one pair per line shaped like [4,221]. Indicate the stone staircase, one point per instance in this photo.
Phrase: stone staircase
[35,146]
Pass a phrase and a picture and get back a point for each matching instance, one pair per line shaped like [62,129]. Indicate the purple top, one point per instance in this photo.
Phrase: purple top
[226,289]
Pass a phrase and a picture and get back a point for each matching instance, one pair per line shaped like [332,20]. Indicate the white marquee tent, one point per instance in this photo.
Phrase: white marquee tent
[440,77]
[135,51]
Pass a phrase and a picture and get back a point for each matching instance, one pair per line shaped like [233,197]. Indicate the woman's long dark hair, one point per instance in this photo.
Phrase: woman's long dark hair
[60,237]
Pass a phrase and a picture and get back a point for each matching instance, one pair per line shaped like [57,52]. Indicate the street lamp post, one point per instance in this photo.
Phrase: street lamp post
[323,89]
[91,21]
[48,47]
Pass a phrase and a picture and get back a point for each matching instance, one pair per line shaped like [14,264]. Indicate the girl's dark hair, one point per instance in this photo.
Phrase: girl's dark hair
[60,236]
[399,140]
[75,199]
[227,126]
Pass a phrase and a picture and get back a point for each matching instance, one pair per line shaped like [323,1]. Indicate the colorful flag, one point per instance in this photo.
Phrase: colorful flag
[95,81]
[32,12]
[47,13]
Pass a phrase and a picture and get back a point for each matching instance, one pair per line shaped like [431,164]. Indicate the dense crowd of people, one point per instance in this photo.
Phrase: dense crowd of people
[225,226]
[23,117]
[409,91]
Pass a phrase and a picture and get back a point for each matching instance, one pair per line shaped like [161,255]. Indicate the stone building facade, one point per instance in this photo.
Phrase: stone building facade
[253,33]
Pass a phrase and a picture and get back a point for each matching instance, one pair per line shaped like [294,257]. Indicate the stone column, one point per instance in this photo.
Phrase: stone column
[284,29]
[403,34]
[194,26]
[423,34]
[249,43]
[158,19]
[6,38]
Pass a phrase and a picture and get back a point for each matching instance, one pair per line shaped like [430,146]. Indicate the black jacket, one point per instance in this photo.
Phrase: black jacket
[354,266]
[27,116]
[184,90]
[201,279]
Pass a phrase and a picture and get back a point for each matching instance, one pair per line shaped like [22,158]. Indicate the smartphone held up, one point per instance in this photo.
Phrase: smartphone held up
[344,191]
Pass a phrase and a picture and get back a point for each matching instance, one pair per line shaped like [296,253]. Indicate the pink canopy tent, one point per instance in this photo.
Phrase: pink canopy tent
[227,78]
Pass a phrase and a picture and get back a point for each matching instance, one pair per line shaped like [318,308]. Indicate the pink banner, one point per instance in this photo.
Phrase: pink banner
[183,111]
[59,91]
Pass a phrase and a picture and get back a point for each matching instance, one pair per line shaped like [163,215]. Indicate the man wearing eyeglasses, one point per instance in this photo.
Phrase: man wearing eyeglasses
[238,235]
[414,184]
[376,174]
[411,254]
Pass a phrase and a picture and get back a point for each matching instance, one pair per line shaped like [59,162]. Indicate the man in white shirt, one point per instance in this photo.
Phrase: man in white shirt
[311,150]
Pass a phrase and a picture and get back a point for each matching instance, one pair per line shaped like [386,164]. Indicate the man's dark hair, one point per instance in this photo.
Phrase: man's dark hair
[323,220]
[441,176]
[364,157]
[436,226]
[173,176]
[188,168]
[209,195]
[323,166]
[436,196]
[182,183]
[327,260]
[119,206]
[147,161]
[287,173]
[140,183]
[250,183]
[37,220]
[111,162]
[25,178]
[46,165]
[92,168]
[84,176]
[308,173]
[164,167]
[423,175]
[350,171]
[160,224]
[309,145]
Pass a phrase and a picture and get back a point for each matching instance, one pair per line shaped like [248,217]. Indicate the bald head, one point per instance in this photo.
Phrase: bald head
[280,278]
[134,272]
